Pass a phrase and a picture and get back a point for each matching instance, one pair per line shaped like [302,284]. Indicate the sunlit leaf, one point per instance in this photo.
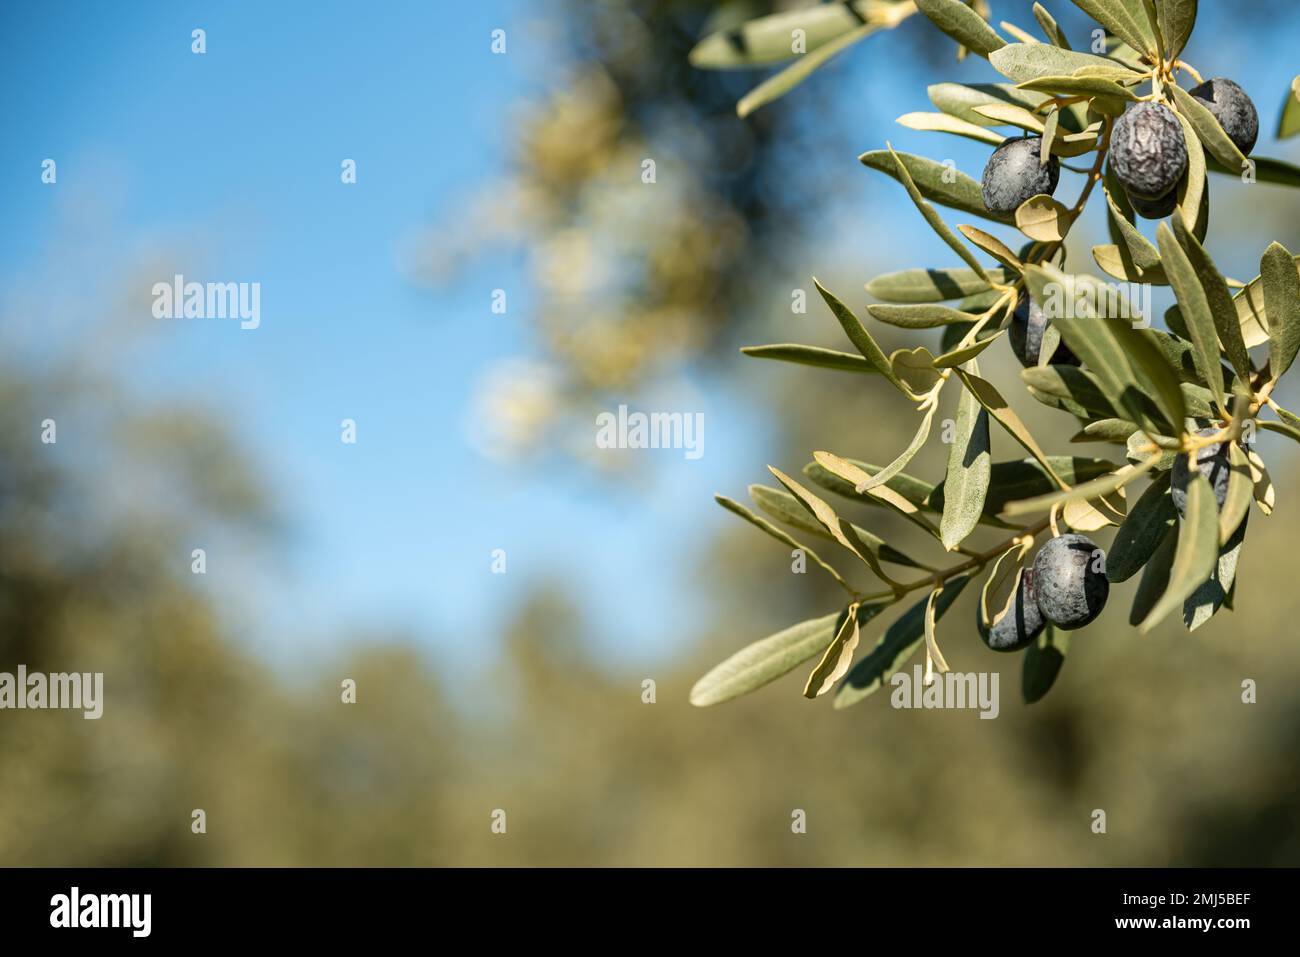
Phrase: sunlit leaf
[781,536]
[1289,123]
[1282,305]
[811,356]
[962,24]
[940,183]
[946,123]
[1177,18]
[1195,308]
[969,468]
[1124,19]
[932,285]
[837,658]
[922,316]
[784,507]
[770,39]
[1021,62]
[1208,130]
[1219,300]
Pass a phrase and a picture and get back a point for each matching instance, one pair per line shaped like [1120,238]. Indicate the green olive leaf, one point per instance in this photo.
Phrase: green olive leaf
[781,536]
[946,123]
[1197,553]
[1043,662]
[1043,219]
[1121,19]
[839,655]
[933,218]
[1202,604]
[1176,18]
[1142,531]
[933,285]
[1208,130]
[1022,62]
[963,24]
[1192,195]
[1050,27]
[969,470]
[1219,298]
[1282,305]
[811,356]
[940,183]
[1253,311]
[767,40]
[1289,123]
[784,507]
[858,335]
[777,86]
[1195,308]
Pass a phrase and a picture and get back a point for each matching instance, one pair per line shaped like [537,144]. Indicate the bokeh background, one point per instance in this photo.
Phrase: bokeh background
[475,431]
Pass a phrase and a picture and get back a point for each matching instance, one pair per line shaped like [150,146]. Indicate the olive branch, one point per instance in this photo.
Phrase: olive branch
[1183,404]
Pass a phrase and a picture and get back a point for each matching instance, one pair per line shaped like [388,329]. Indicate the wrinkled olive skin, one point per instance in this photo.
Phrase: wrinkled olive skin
[1233,109]
[1014,174]
[1148,151]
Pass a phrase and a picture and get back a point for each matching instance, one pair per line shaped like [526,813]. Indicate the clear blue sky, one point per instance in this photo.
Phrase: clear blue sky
[229,162]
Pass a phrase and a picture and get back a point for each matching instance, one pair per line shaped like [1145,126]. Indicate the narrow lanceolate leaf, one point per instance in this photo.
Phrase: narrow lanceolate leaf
[770,39]
[898,644]
[961,100]
[768,659]
[962,24]
[1043,219]
[1043,661]
[1026,478]
[1289,125]
[1125,19]
[830,471]
[1144,528]
[1241,487]
[932,285]
[1197,553]
[811,356]
[933,218]
[1202,604]
[1072,383]
[1022,62]
[922,316]
[945,123]
[900,463]
[778,86]
[1176,18]
[784,507]
[1081,86]
[1117,261]
[839,655]
[1050,126]
[1050,27]
[840,530]
[1267,170]
[993,246]
[1130,367]
[1008,114]
[940,183]
[857,333]
[1219,299]
[969,465]
[988,396]
[781,536]
[1155,577]
[1140,249]
[1282,304]
[1265,494]
[1208,130]
[1292,432]
[1195,307]
[1191,191]
[964,354]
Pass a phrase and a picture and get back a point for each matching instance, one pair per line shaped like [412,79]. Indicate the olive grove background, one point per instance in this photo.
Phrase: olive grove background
[523,691]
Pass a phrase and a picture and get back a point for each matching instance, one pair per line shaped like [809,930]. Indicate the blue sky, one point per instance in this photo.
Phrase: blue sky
[228,163]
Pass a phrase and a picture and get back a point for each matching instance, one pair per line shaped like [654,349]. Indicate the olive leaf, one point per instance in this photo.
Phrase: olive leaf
[1050,27]
[993,246]
[940,183]
[1253,311]
[1219,300]
[932,285]
[1008,114]
[964,354]
[1176,19]
[960,100]
[1098,86]
[832,466]
[781,536]
[1130,367]
[782,83]
[988,396]
[1044,219]
[1289,123]
[784,507]
[1021,62]
[767,40]
[1191,189]
[811,356]
[839,529]
[1208,130]
[986,614]
[1143,529]
[1195,308]
[1120,18]
[946,123]
[1197,552]
[1241,487]
[1266,170]
[857,333]
[837,658]
[913,490]
[1098,488]
[897,645]
[769,658]
[1025,478]
[1050,126]
[1070,382]
[921,316]
[932,216]
[896,466]
[1043,662]
[933,656]
[1106,430]
[963,24]
[1202,604]
[1282,305]
[1264,491]
[1143,254]
[969,469]
[1118,261]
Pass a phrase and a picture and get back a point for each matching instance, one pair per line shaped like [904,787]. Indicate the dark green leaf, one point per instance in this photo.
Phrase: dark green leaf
[1043,661]
[1219,299]
[1282,305]
[1195,309]
[938,182]
[1073,383]
[858,335]
[1197,552]
[931,285]
[1208,130]
[1143,529]
[1203,603]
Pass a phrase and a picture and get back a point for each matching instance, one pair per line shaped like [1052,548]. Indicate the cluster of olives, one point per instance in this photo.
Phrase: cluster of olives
[1148,153]
[1066,585]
